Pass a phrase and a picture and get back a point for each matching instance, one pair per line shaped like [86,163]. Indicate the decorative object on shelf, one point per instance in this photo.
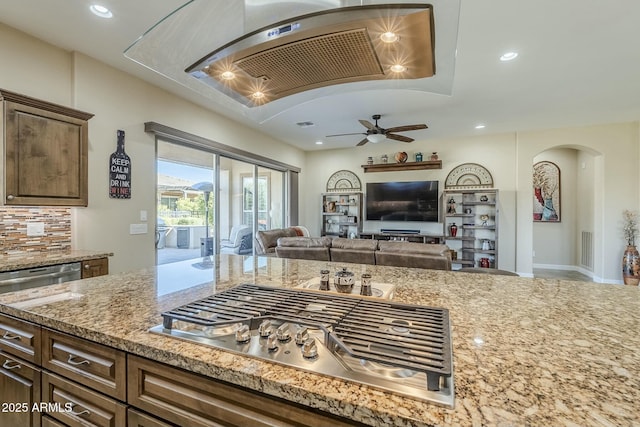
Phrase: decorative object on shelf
[331,206]
[344,180]
[630,258]
[385,158]
[485,245]
[484,198]
[468,211]
[484,262]
[434,156]
[418,157]
[369,160]
[484,219]
[454,254]
[546,192]
[401,156]
[468,175]
[451,206]
[453,229]
[120,171]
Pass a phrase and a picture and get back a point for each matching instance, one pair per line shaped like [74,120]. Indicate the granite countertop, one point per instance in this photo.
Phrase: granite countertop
[526,351]
[42,259]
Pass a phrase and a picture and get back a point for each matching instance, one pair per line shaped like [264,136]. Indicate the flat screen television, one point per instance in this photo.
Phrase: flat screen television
[402,201]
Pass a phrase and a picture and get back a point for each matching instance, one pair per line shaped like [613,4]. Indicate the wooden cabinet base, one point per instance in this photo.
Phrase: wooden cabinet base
[185,398]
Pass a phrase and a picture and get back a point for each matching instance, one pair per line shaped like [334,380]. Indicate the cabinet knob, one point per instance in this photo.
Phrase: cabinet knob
[10,197]
[87,266]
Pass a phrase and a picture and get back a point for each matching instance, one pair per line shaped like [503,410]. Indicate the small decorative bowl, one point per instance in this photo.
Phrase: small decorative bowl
[344,289]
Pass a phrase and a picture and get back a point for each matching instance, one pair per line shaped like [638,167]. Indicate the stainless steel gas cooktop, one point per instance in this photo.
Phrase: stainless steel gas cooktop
[401,348]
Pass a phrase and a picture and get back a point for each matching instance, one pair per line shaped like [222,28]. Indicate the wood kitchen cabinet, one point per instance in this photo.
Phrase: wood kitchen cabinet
[46,147]
[95,267]
[185,398]
[20,384]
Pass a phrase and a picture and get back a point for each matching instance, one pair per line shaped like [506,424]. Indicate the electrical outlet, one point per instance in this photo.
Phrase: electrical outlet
[35,229]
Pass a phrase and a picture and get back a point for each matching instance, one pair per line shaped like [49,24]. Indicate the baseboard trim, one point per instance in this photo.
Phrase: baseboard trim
[580,270]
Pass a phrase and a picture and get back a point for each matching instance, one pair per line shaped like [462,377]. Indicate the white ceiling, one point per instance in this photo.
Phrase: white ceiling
[578,64]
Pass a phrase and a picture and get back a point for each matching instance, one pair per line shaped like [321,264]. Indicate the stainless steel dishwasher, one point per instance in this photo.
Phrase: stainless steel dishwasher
[40,276]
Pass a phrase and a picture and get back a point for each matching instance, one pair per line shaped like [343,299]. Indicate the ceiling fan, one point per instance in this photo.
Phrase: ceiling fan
[375,133]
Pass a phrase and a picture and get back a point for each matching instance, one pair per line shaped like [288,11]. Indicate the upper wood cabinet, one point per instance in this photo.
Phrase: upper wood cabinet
[45,152]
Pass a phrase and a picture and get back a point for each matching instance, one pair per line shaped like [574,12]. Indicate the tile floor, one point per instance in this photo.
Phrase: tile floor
[560,274]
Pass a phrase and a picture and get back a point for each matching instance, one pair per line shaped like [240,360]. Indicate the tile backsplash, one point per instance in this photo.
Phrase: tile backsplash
[13,229]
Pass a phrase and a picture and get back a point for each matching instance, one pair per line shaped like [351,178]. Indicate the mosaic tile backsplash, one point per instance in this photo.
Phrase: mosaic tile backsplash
[13,229]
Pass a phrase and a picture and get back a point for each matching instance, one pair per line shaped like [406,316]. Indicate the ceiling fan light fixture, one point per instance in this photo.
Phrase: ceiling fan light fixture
[376,137]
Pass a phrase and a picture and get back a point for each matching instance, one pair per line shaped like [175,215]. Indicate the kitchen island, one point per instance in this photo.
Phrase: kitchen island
[525,351]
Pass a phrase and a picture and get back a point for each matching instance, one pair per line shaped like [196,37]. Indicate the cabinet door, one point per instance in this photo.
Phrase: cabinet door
[95,267]
[45,157]
[19,390]
[76,405]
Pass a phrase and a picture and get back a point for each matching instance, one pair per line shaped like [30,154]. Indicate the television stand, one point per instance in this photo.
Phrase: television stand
[406,237]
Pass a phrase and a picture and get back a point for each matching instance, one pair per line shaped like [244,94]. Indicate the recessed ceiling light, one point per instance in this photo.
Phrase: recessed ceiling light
[228,75]
[480,126]
[100,11]
[389,37]
[398,68]
[509,56]
[318,142]
[257,95]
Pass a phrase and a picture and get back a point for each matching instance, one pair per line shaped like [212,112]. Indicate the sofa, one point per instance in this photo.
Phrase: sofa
[240,241]
[267,240]
[365,251]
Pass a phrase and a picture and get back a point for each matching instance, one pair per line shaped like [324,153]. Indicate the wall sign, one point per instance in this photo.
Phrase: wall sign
[120,171]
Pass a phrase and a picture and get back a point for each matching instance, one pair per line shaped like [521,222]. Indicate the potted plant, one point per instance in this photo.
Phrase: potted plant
[630,258]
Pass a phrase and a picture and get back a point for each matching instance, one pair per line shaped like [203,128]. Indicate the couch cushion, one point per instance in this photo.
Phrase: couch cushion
[268,239]
[413,248]
[356,244]
[304,242]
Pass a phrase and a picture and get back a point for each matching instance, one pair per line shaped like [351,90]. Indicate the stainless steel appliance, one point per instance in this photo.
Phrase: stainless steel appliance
[405,349]
[41,276]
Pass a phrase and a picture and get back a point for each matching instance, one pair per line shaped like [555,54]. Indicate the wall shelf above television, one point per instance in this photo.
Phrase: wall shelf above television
[407,166]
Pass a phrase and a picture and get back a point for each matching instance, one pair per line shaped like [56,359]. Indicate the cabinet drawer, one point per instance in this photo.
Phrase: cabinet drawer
[139,419]
[20,338]
[185,398]
[19,390]
[99,367]
[77,405]
[47,421]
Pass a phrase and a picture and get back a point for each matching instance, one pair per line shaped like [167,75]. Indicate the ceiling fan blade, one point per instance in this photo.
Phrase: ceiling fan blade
[406,128]
[399,137]
[345,134]
[364,141]
[367,124]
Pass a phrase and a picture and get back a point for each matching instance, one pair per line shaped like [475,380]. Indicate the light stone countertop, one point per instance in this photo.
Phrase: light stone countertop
[26,260]
[527,352]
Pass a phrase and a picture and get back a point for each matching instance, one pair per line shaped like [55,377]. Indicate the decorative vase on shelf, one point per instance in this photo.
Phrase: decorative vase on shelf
[434,156]
[418,157]
[401,157]
[631,266]
[385,158]
[453,229]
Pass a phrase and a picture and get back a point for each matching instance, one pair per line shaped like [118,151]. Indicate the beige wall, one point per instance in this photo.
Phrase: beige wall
[119,101]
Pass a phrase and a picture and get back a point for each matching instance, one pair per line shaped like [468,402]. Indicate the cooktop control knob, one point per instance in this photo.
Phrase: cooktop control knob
[272,342]
[243,334]
[310,349]
[265,329]
[302,335]
[283,333]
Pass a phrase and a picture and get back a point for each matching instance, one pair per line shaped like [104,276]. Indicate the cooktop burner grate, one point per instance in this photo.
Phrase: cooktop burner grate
[366,336]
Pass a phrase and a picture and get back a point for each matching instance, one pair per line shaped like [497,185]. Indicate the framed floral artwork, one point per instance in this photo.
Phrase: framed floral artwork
[546,192]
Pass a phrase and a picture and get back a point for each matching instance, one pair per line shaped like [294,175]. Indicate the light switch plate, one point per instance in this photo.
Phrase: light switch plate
[35,229]
[137,228]
[143,215]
